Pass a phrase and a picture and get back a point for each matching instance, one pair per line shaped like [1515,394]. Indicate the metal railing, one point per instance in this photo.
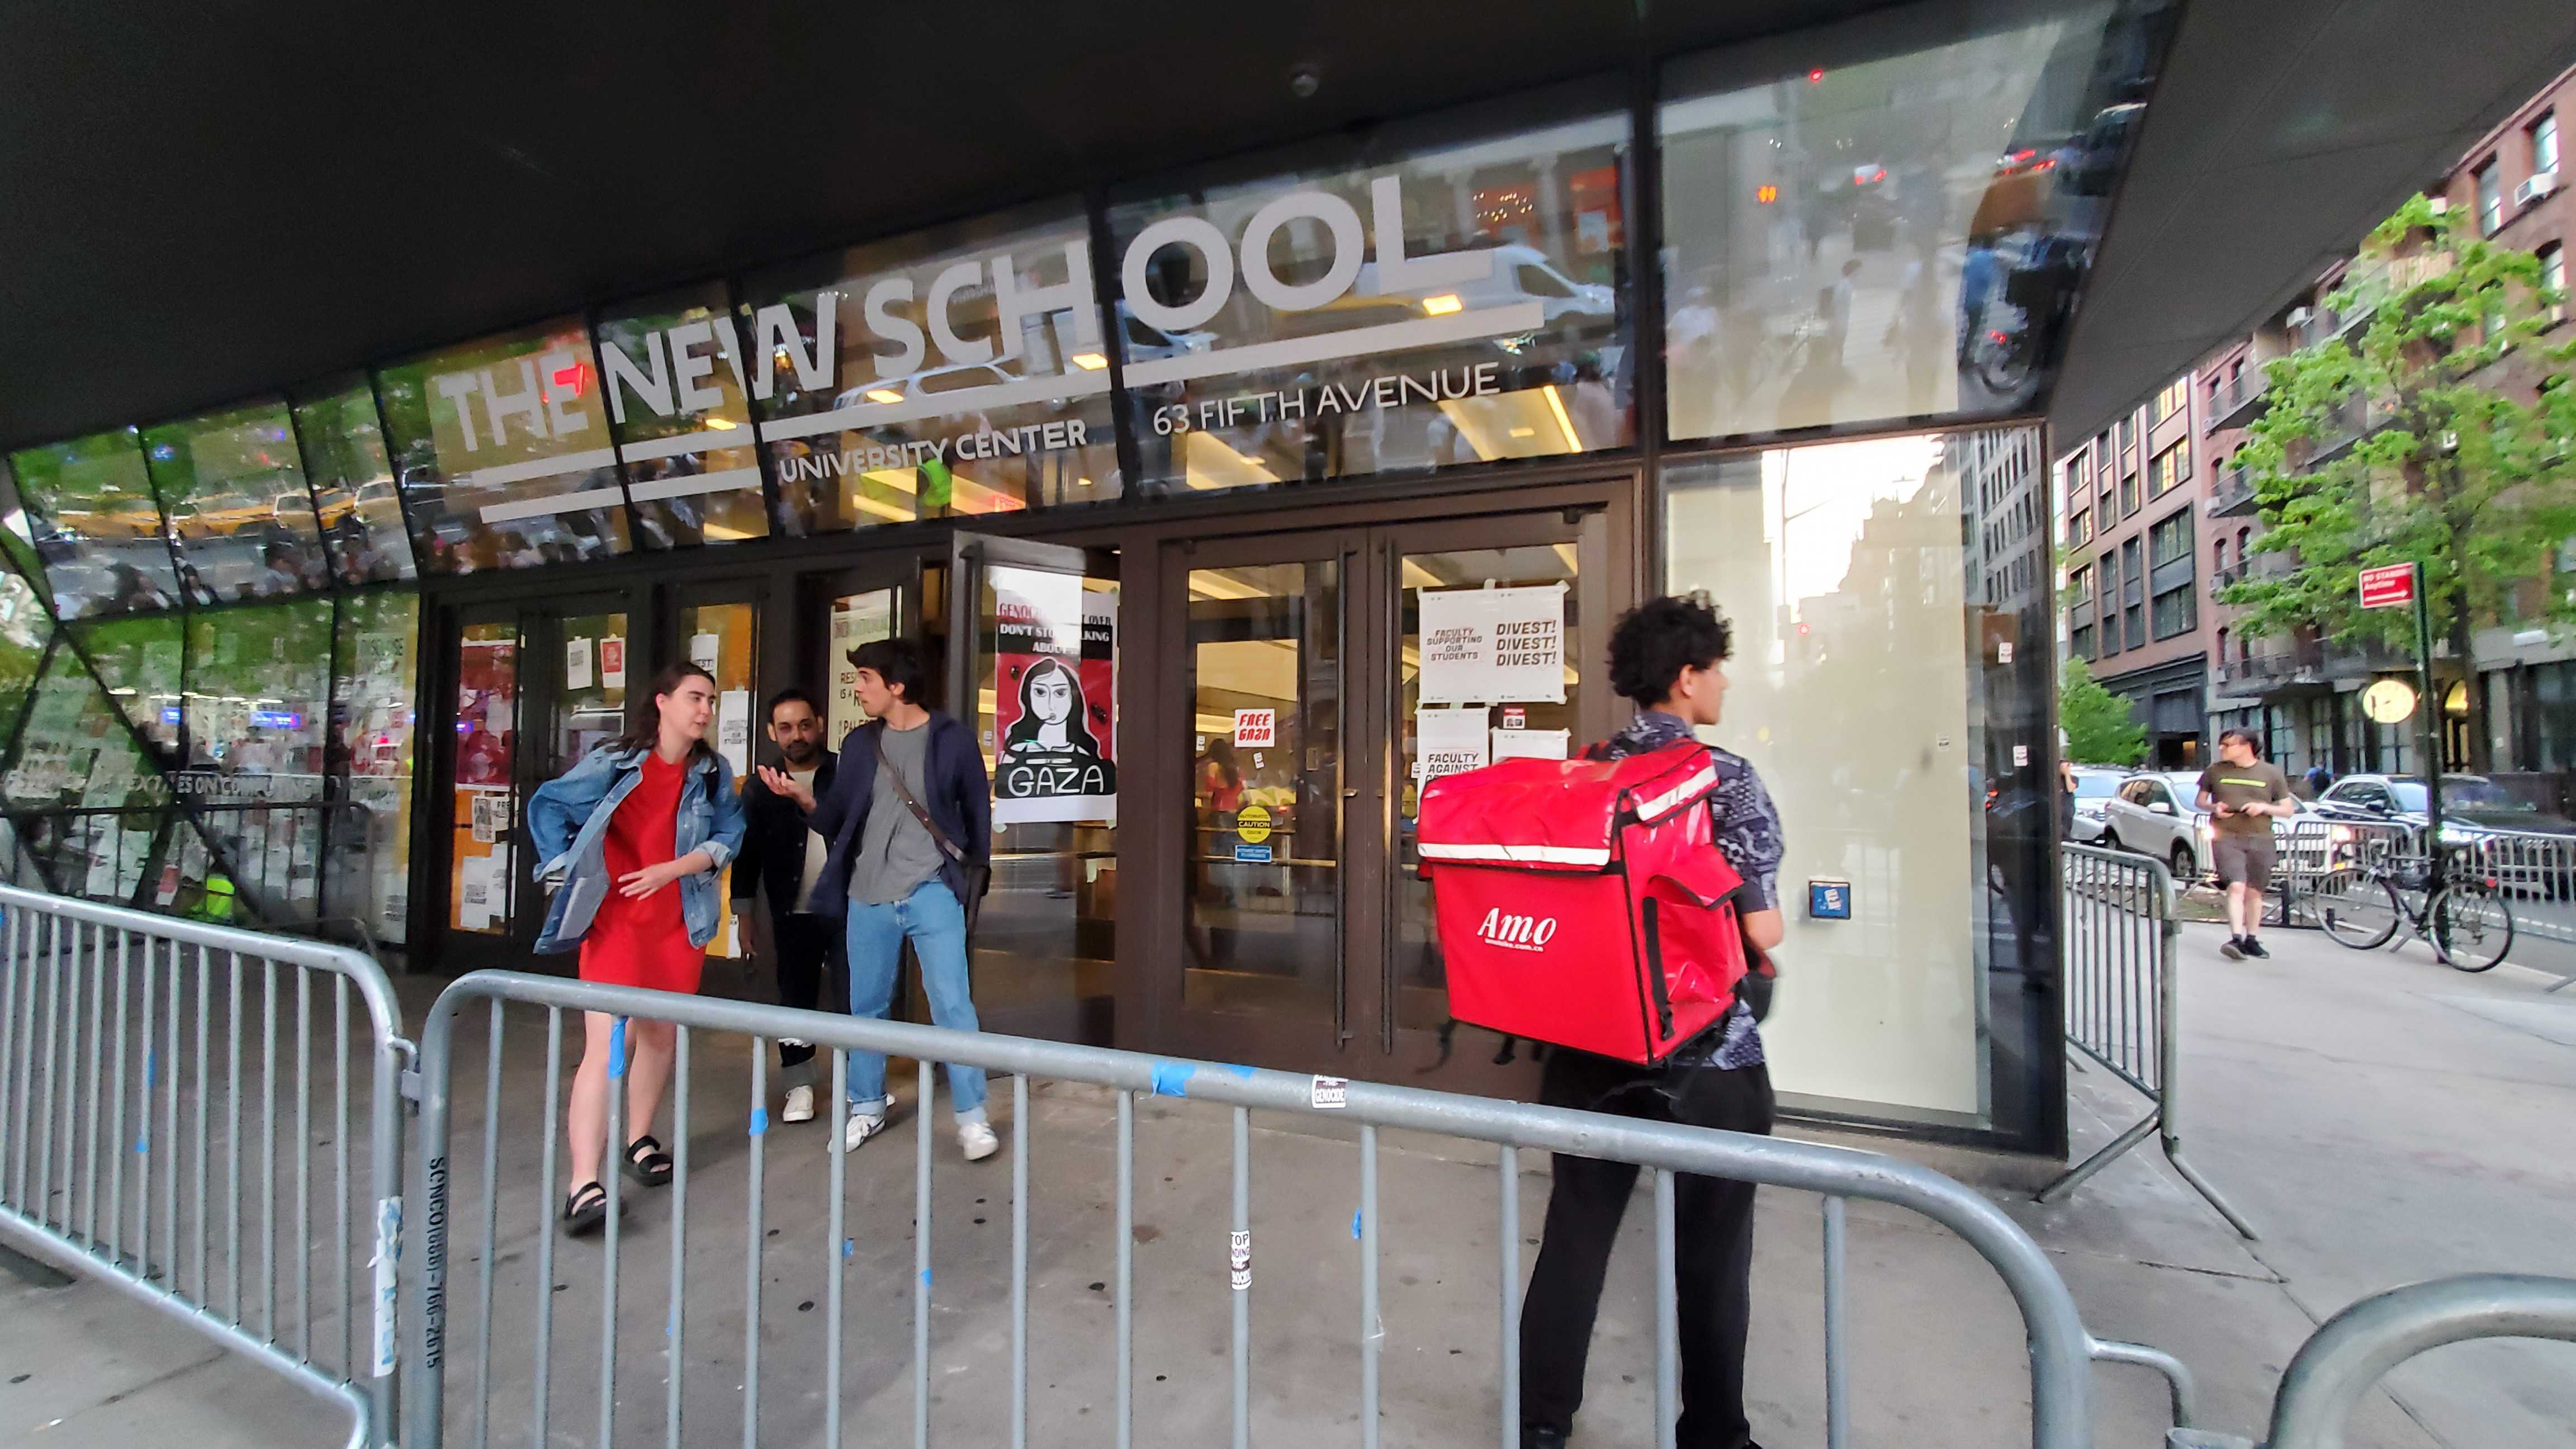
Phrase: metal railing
[2119,930]
[2538,871]
[2060,1350]
[145,1097]
[2351,1352]
[296,865]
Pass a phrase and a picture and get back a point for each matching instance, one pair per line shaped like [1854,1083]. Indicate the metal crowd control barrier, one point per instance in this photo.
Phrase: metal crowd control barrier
[144,1093]
[2541,870]
[2123,999]
[2348,1356]
[2061,1351]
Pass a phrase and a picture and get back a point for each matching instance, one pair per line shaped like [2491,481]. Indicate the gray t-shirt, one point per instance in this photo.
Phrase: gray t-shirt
[895,854]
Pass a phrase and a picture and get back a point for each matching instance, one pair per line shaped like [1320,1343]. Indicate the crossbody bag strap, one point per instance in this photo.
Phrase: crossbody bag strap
[894,777]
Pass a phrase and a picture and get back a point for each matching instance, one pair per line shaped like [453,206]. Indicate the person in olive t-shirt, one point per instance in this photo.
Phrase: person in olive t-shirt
[2243,796]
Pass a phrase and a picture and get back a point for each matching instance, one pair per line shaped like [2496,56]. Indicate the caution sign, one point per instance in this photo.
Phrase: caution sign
[1252,824]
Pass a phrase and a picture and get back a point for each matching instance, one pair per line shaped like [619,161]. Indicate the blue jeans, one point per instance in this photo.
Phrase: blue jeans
[935,923]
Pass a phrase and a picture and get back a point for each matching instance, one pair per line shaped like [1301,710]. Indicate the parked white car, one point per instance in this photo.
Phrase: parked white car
[2095,787]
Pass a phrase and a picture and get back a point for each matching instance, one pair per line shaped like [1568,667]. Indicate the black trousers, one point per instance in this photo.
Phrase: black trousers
[1713,1245]
[813,975]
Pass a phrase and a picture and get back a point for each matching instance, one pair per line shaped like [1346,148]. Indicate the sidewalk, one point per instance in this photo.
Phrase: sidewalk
[2381,1118]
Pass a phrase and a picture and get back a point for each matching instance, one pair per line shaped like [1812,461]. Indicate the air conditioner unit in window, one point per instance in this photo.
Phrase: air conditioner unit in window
[2541,184]
[2441,205]
[2299,316]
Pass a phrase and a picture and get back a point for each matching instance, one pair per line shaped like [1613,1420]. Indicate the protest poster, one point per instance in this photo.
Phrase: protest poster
[1055,691]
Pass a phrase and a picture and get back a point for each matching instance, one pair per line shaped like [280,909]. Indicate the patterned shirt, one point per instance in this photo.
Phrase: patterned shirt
[1748,832]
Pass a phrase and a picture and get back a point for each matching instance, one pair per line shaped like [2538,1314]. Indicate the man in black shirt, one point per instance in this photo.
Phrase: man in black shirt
[781,853]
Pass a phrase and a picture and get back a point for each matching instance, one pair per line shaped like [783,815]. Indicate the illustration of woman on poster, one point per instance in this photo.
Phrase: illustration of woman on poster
[1049,749]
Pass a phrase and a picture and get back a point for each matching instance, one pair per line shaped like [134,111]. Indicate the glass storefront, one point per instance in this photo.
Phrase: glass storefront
[1294,408]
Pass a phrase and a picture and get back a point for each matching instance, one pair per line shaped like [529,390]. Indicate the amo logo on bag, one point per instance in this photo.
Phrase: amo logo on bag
[1516,933]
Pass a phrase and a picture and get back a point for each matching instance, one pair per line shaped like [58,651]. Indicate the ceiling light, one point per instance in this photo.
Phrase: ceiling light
[1090,361]
[884,395]
[1442,305]
[1524,432]
[723,425]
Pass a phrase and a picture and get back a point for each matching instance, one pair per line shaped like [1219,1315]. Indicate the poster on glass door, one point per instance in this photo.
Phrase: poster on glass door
[1493,646]
[1055,690]
[856,619]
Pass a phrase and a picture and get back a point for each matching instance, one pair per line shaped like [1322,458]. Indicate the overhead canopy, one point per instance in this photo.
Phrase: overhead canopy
[226,200]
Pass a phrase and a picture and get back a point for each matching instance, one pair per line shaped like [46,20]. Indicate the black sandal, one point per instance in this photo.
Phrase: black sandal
[647,1163]
[585,1209]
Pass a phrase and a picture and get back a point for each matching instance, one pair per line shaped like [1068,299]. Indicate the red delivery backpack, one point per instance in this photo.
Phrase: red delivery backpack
[1584,902]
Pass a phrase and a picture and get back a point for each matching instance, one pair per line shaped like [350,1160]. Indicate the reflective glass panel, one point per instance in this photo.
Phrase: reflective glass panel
[353,485]
[502,450]
[371,739]
[232,486]
[1447,291]
[487,739]
[23,629]
[1892,218]
[723,640]
[89,804]
[1905,746]
[139,661]
[95,525]
[954,372]
[259,679]
[673,369]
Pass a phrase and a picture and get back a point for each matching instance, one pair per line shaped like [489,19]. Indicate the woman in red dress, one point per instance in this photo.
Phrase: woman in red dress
[638,832]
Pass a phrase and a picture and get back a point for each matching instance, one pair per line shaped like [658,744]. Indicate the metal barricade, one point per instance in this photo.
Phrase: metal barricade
[2060,1350]
[159,1133]
[2123,1000]
[2351,1352]
[2540,870]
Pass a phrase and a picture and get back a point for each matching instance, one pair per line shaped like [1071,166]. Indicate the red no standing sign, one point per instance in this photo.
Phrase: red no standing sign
[2389,586]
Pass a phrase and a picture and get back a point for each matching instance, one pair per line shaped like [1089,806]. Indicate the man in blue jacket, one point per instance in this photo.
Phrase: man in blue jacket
[910,818]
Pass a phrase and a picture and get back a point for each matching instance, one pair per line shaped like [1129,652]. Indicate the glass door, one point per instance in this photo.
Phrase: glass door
[1032,668]
[1322,679]
[482,771]
[717,628]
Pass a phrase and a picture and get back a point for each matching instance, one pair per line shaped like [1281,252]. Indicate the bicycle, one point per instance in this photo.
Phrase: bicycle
[2466,922]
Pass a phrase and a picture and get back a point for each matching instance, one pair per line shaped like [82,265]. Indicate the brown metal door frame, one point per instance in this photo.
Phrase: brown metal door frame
[1601,520]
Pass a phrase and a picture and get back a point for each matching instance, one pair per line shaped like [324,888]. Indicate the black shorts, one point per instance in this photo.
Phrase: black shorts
[2244,859]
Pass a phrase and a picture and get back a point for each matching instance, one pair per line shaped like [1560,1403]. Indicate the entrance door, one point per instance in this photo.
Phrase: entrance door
[1313,707]
[1032,661]
[537,687]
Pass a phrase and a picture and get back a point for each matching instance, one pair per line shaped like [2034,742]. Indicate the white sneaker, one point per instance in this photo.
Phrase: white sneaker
[864,1125]
[800,1105]
[977,1140]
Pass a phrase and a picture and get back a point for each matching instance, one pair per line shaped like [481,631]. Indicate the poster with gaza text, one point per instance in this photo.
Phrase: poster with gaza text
[1055,692]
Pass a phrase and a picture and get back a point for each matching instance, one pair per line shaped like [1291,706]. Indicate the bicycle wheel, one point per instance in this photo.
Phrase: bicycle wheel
[2356,908]
[2472,928]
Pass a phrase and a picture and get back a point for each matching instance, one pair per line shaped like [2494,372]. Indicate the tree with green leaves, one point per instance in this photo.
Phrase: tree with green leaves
[2101,729]
[2440,431]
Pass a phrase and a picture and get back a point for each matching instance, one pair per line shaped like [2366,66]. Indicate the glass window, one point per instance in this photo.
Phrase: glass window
[950,372]
[2176,612]
[2553,276]
[2137,625]
[673,370]
[23,634]
[1889,235]
[138,659]
[2079,587]
[232,486]
[2175,397]
[2128,494]
[89,805]
[2490,186]
[343,447]
[1855,691]
[1437,293]
[502,450]
[480,815]
[259,680]
[2170,538]
[2544,143]
[371,739]
[2170,470]
[95,525]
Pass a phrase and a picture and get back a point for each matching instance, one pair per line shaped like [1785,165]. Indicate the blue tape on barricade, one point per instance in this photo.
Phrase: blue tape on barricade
[142,1146]
[1355,1225]
[925,1277]
[1241,1073]
[1172,1079]
[759,1120]
[849,1247]
[617,1048]
[151,1068]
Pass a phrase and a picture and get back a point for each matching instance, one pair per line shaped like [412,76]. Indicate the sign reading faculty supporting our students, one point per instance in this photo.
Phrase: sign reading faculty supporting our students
[1488,646]
[1055,689]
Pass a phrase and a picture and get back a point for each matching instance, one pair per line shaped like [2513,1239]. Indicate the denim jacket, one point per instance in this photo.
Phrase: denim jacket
[568,825]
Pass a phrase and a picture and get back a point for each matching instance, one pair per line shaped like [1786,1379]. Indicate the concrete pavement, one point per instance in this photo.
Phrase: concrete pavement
[2381,1118]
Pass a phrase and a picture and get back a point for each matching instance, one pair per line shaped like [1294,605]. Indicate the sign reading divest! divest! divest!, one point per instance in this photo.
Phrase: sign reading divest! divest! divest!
[1488,646]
